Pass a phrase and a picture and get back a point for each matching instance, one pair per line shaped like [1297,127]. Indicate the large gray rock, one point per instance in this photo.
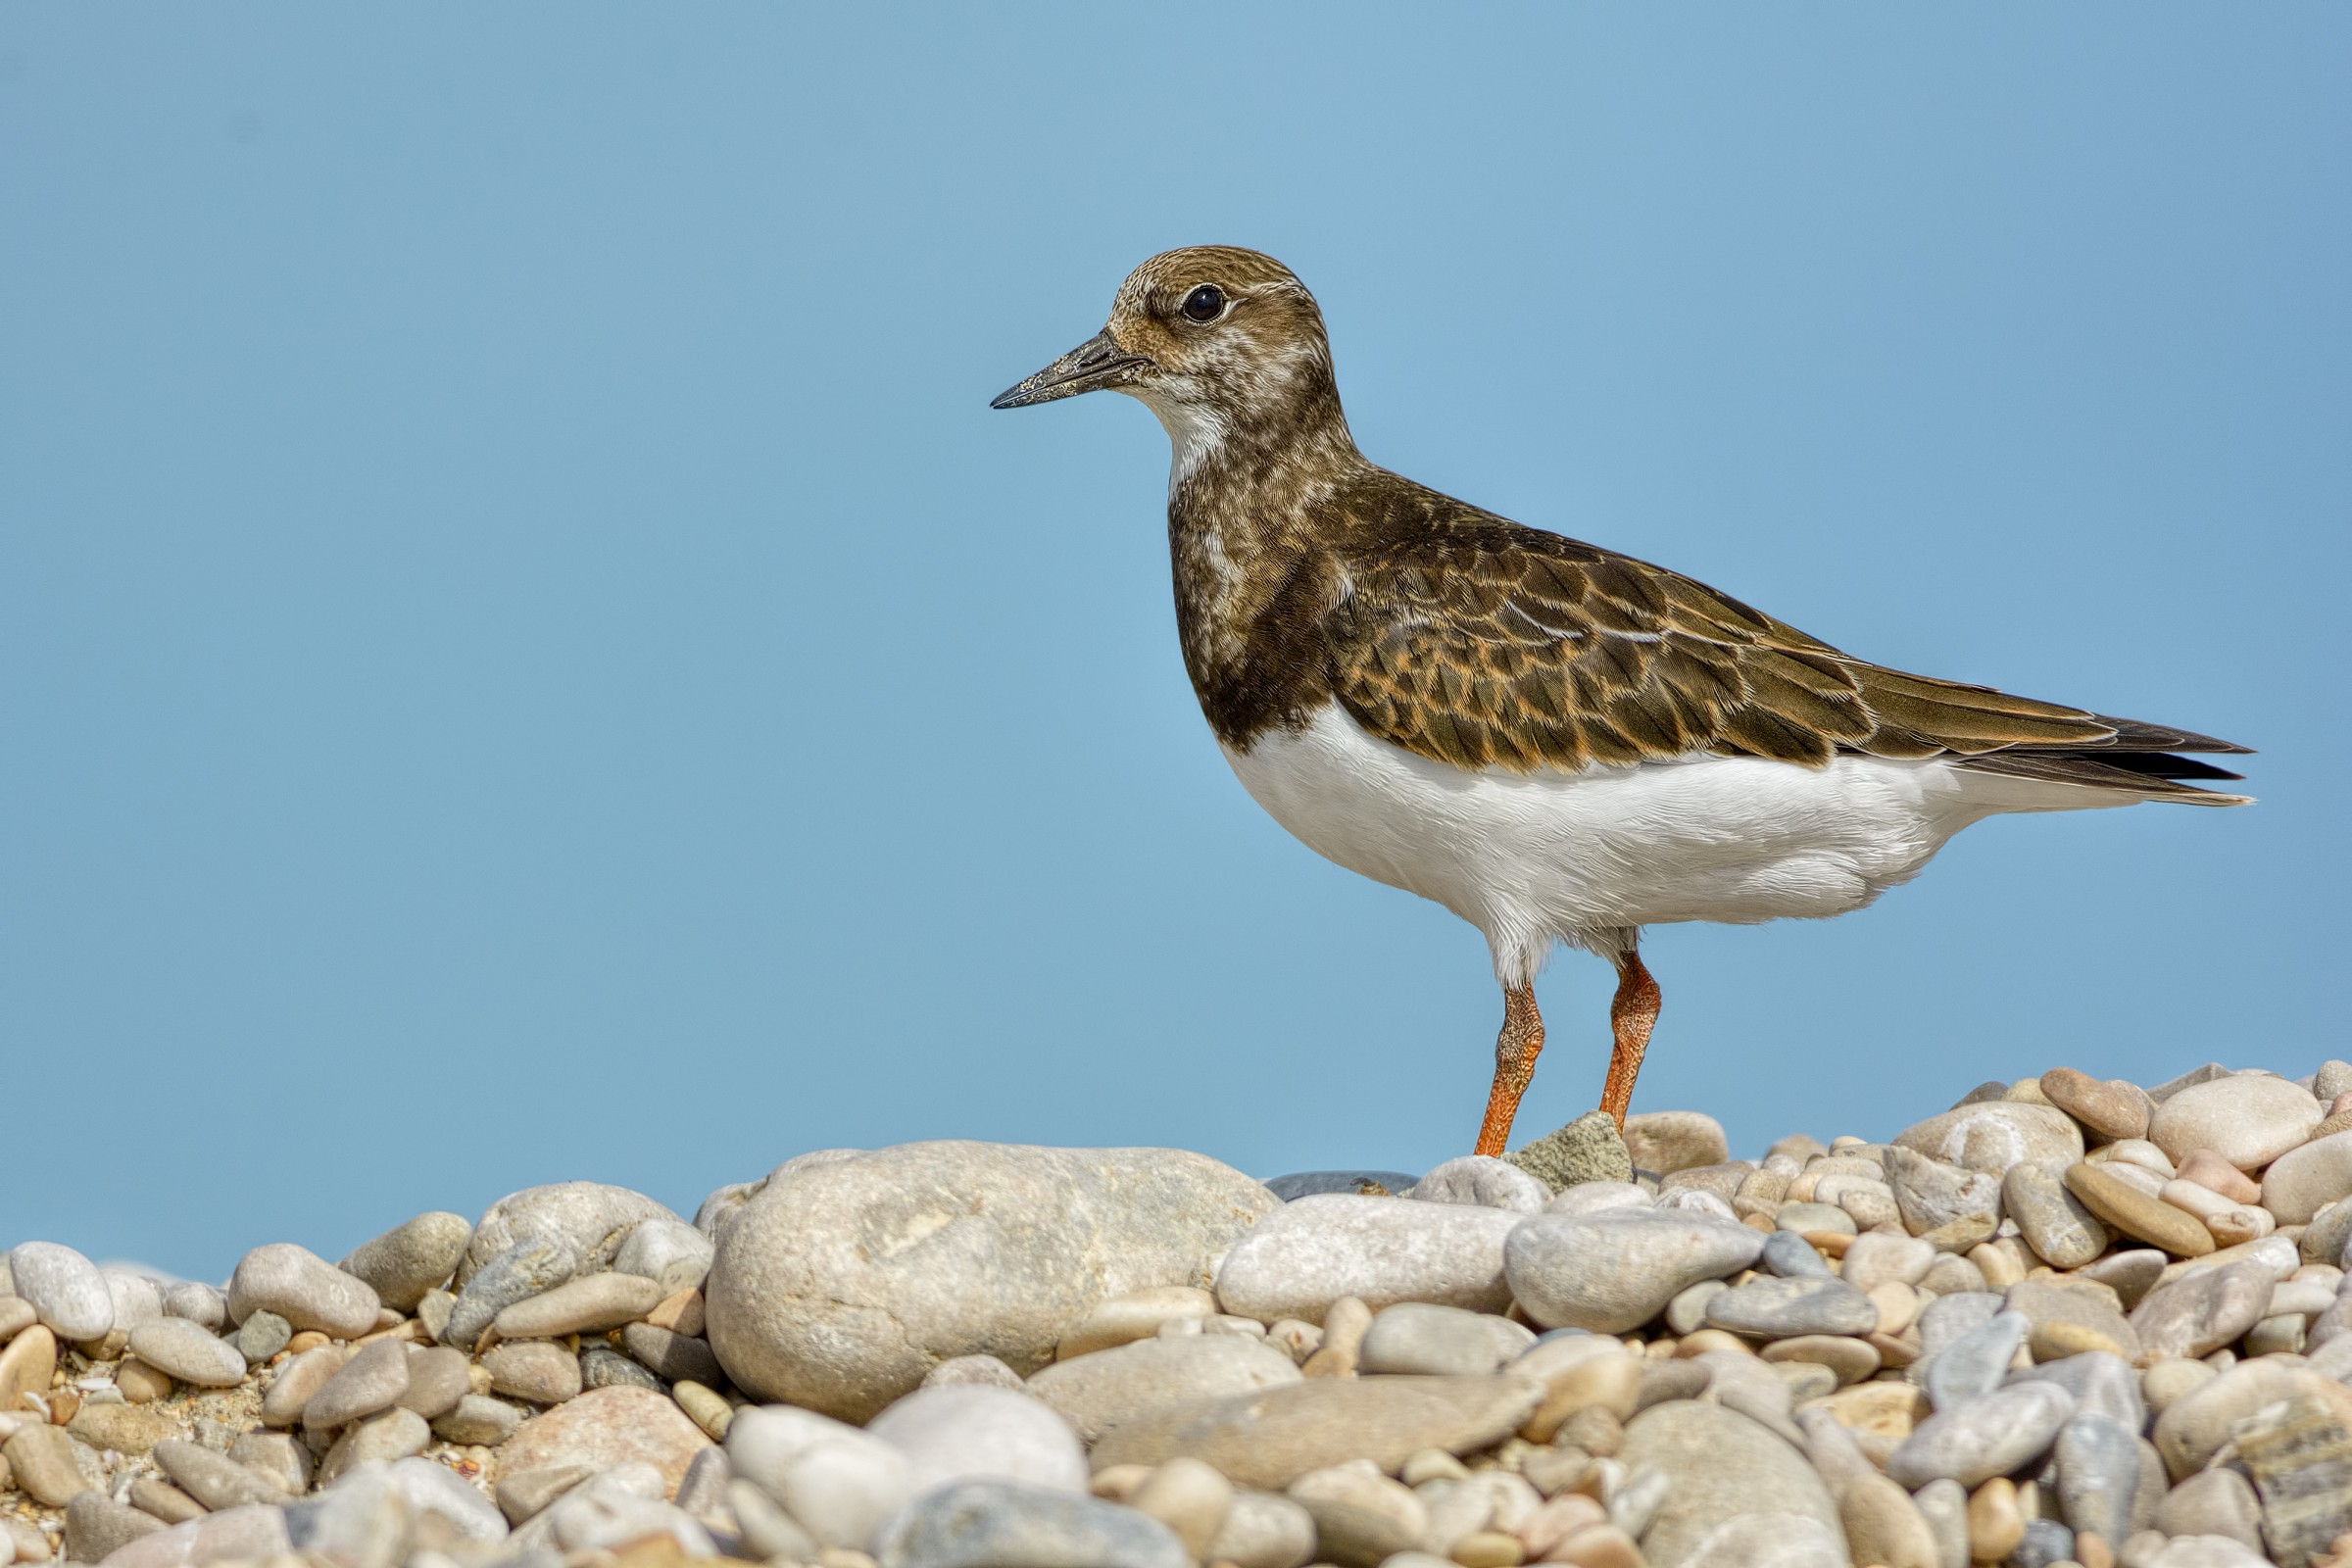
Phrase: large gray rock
[1738,1495]
[1312,1251]
[841,1285]
[2249,1119]
[1616,1269]
[411,1258]
[589,1218]
[996,1524]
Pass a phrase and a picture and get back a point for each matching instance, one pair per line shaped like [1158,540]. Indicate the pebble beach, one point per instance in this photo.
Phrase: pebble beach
[2065,1322]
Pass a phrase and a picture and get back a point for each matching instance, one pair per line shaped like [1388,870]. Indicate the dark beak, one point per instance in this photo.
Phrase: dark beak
[1092,365]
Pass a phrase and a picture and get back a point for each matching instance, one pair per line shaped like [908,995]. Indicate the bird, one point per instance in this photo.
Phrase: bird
[1561,744]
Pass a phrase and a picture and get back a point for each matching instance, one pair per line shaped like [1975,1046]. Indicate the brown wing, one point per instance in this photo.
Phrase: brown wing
[1493,645]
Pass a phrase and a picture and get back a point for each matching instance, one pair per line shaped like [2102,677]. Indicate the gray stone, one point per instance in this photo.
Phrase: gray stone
[1427,1338]
[395,1434]
[303,1289]
[412,1258]
[1783,1309]
[604,1367]
[2301,1458]
[1996,1135]
[2098,1470]
[2050,1309]
[262,1336]
[2053,1221]
[2102,1385]
[1933,1197]
[1982,1437]
[533,1369]
[588,1303]
[668,1251]
[252,1533]
[1617,1270]
[65,1288]
[277,1457]
[2213,1502]
[1263,1531]
[1270,1438]
[673,1356]
[2131,1273]
[372,1380]
[704,1491]
[769,1533]
[2203,1309]
[202,1305]
[1947,1319]
[137,1298]
[2305,1180]
[1354,1183]
[364,1522]
[191,1354]
[588,1219]
[534,1264]
[478,1420]
[48,1464]
[96,1525]
[213,1479]
[1131,1380]
[2046,1543]
[1943,1504]
[434,1488]
[839,1286]
[976,1433]
[1588,1148]
[437,1381]
[1482,1180]
[434,1313]
[1973,1365]
[995,1524]
[837,1482]
[1310,1253]
[1736,1495]
[989,1372]
[1791,1258]
[298,1381]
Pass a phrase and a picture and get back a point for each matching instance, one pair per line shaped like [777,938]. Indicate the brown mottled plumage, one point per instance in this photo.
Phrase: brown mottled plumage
[1309,581]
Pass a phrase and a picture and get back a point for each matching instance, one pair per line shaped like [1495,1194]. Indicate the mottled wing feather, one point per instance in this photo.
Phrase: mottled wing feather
[1496,646]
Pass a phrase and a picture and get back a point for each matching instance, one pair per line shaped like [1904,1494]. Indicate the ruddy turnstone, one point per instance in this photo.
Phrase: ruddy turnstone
[1556,742]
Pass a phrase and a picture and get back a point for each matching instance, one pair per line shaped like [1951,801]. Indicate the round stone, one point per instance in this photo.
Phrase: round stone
[299,1380]
[668,1251]
[2204,1309]
[1263,1531]
[2112,1109]
[1131,1380]
[1878,1260]
[64,1289]
[2062,1232]
[1482,1181]
[1667,1141]
[303,1289]
[2249,1119]
[2303,1181]
[437,1380]
[372,1380]
[1308,1253]
[589,1219]
[1991,1436]
[1617,1270]
[976,1433]
[411,1258]
[534,1370]
[262,1336]
[192,1354]
[1736,1493]
[802,1306]
[996,1524]
[1425,1337]
[837,1481]
[479,1419]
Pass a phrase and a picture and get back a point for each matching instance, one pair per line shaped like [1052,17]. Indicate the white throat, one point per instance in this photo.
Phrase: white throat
[1196,433]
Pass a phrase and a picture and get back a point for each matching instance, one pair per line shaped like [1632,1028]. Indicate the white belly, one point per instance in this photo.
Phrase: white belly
[1531,859]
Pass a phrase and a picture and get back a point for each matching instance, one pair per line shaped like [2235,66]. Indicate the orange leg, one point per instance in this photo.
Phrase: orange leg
[1633,1011]
[1514,1065]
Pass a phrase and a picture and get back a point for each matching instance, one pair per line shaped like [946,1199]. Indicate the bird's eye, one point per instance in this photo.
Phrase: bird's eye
[1204,303]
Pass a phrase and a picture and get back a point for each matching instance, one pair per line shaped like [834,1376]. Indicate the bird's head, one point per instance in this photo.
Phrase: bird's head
[1213,339]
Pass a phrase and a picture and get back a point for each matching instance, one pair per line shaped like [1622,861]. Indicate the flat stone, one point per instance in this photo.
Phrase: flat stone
[1668,1141]
[278,1457]
[262,1336]
[1791,1257]
[588,1303]
[180,1349]
[2098,1471]
[1308,1253]
[303,1289]
[372,1380]
[1137,1315]
[1807,1219]
[1973,1365]
[1425,1338]
[479,1419]
[2214,1503]
[1352,1183]
[1779,1308]
[534,1370]
[1590,1198]
[675,1357]
[2048,1307]
[1482,1181]
[96,1525]
[839,1286]
[203,1304]
[1996,1135]
[590,1220]
[252,1533]
[2249,1119]
[837,1482]
[1263,1531]
[1617,1270]
[1880,1259]
[123,1428]
[2112,1109]
[2203,1310]
[994,1524]
[411,1258]
[28,1362]
[298,1381]
[1363,1518]
[213,1479]
[1132,1380]
[1736,1493]
[394,1434]
[437,1380]
[1992,1436]
[2136,1213]
[1270,1438]
[2305,1180]
[668,1251]
[1188,1498]
[2062,1232]
[604,1428]
[976,1433]
[65,1290]
[1588,1148]
[535,1264]
[604,1367]
[49,1466]
[2102,1383]
[1933,1197]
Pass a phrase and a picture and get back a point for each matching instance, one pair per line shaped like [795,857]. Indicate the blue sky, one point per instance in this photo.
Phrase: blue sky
[524,654]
